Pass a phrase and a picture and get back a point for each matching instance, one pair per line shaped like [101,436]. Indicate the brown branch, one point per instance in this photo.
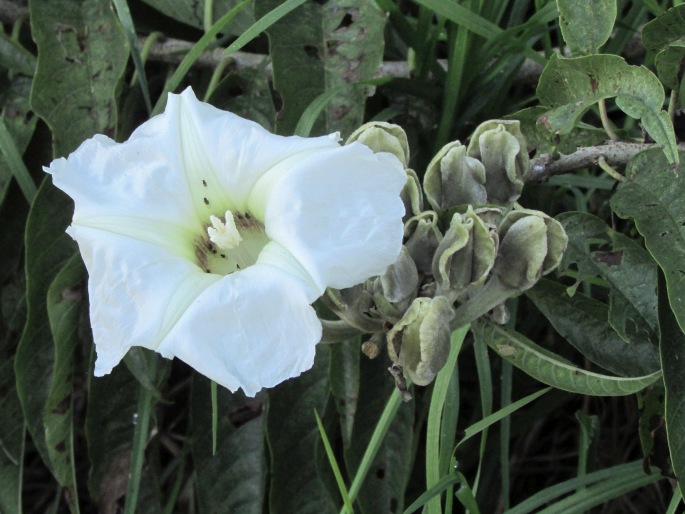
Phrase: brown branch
[615,153]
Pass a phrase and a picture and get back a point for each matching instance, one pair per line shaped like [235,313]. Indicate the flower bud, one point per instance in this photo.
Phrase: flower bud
[420,341]
[422,237]
[383,137]
[453,178]
[501,147]
[401,279]
[465,255]
[532,245]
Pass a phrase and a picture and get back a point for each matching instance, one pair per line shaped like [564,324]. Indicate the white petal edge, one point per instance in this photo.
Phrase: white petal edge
[250,330]
[338,211]
[137,292]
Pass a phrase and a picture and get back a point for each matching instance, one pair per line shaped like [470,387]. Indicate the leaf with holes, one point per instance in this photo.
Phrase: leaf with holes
[582,321]
[293,435]
[83,53]
[654,196]
[384,486]
[586,25]
[552,370]
[569,87]
[629,270]
[234,479]
[320,47]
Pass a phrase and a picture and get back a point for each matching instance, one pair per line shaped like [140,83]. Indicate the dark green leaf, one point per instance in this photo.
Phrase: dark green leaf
[672,350]
[47,249]
[82,53]
[628,269]
[193,13]
[15,57]
[319,48]
[384,487]
[586,25]
[65,300]
[653,194]
[582,321]
[293,436]
[344,376]
[571,86]
[665,29]
[234,479]
[552,370]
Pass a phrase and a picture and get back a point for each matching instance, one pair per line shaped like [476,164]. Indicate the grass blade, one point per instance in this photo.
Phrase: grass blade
[16,163]
[334,465]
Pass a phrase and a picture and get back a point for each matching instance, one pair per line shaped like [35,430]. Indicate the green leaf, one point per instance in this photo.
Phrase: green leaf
[654,196]
[668,64]
[571,86]
[15,57]
[582,321]
[665,29]
[233,479]
[344,376]
[381,452]
[20,123]
[586,25]
[193,13]
[672,350]
[293,435]
[110,421]
[12,434]
[82,53]
[48,247]
[552,370]
[65,302]
[629,271]
[319,48]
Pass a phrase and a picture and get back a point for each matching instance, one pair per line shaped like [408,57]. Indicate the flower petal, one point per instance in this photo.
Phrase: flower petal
[228,152]
[338,211]
[137,292]
[252,329]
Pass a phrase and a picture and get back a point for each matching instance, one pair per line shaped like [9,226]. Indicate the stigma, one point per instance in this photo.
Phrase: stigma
[224,234]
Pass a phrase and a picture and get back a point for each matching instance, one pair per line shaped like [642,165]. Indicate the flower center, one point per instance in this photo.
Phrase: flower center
[231,243]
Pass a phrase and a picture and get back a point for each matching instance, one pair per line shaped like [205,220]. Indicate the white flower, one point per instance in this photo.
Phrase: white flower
[207,238]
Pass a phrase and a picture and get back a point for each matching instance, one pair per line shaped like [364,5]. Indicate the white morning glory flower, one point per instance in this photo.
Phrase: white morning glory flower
[207,238]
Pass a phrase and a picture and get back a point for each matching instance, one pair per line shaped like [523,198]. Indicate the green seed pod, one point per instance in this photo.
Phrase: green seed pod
[465,255]
[453,178]
[532,245]
[422,237]
[420,341]
[383,137]
[501,147]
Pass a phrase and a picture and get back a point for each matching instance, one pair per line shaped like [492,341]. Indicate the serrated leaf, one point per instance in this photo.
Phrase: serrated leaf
[193,13]
[234,479]
[82,54]
[552,370]
[586,25]
[627,268]
[322,47]
[384,487]
[64,305]
[293,435]
[571,86]
[672,349]
[48,247]
[653,194]
[582,321]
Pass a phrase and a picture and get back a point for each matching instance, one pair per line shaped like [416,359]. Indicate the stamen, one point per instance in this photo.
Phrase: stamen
[224,234]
